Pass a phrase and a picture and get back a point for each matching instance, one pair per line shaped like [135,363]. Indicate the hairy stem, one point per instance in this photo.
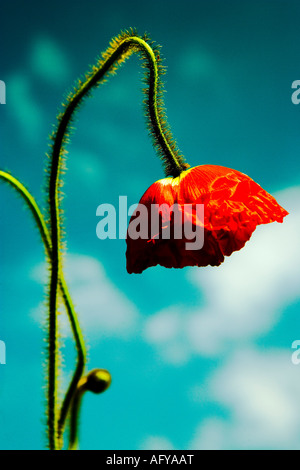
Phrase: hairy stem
[74,414]
[120,49]
[81,354]
[96,381]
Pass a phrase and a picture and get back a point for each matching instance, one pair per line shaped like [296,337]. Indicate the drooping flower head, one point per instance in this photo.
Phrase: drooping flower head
[232,207]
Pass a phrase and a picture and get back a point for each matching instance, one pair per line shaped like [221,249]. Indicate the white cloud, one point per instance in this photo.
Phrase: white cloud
[102,308]
[24,106]
[163,326]
[156,443]
[165,330]
[245,296]
[88,170]
[261,392]
[48,61]
[197,64]
[211,434]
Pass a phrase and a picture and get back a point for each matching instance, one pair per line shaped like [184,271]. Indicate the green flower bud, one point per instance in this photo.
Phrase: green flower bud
[98,380]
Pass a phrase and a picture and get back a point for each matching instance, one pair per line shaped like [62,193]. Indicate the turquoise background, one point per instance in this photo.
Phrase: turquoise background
[200,358]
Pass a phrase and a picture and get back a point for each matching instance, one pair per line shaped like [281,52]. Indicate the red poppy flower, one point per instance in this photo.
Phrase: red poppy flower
[233,206]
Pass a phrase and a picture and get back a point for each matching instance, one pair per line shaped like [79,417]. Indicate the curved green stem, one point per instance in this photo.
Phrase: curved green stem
[74,414]
[81,360]
[80,346]
[120,49]
[96,381]
[158,129]
[33,207]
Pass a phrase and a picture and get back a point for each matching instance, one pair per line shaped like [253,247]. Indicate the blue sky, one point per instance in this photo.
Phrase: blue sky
[200,358]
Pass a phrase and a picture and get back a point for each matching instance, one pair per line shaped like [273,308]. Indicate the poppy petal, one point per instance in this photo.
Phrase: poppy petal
[233,207]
